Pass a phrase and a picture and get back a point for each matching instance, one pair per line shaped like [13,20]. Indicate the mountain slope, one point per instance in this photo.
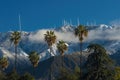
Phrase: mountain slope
[43,70]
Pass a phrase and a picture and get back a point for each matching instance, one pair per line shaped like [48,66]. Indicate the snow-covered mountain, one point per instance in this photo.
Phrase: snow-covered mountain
[105,35]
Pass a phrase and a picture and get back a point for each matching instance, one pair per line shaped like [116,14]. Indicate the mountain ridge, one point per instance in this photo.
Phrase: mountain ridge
[34,41]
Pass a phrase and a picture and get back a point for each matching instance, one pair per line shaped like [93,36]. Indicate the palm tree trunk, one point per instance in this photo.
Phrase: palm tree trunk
[34,71]
[15,57]
[51,64]
[80,60]
[62,61]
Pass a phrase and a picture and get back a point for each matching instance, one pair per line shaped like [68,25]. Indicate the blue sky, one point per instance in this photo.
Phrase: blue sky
[36,14]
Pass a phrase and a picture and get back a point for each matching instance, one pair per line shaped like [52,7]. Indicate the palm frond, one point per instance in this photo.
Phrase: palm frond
[81,32]
[34,58]
[50,37]
[15,37]
[4,62]
[62,47]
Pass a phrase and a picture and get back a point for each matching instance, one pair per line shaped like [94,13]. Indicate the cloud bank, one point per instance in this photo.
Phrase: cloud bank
[108,34]
[66,36]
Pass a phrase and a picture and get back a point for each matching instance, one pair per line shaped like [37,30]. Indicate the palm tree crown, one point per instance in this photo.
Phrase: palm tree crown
[4,62]
[50,38]
[62,47]
[15,37]
[81,32]
[34,58]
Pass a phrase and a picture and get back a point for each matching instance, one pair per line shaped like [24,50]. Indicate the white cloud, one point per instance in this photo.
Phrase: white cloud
[38,36]
[110,34]
[66,36]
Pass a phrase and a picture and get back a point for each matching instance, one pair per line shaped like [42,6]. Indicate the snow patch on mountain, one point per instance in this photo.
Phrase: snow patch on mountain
[6,53]
[104,27]
[67,28]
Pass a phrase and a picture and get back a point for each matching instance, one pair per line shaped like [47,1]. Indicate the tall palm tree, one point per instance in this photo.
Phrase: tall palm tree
[62,47]
[15,38]
[34,58]
[81,32]
[50,38]
[4,62]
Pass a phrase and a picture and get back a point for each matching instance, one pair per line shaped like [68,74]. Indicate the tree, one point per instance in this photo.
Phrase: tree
[69,75]
[34,58]
[4,62]
[15,38]
[13,75]
[50,38]
[81,32]
[62,47]
[98,65]
[117,73]
[77,72]
[2,76]
[27,76]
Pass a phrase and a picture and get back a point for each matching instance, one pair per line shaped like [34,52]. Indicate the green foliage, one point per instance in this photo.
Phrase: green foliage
[34,58]
[27,76]
[98,65]
[81,32]
[117,73]
[62,47]
[13,76]
[15,37]
[69,75]
[4,63]
[2,76]
[50,37]
[77,71]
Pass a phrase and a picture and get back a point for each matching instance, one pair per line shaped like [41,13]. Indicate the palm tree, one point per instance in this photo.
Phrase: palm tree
[62,47]
[4,62]
[50,38]
[34,58]
[15,38]
[81,32]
